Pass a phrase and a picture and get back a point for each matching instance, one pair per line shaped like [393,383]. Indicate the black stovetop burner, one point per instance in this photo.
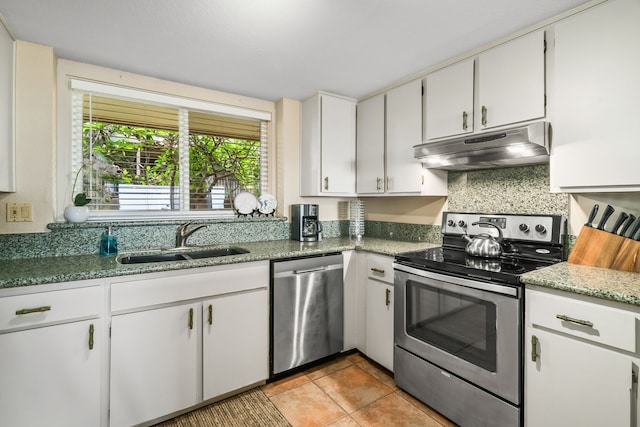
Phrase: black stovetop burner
[531,242]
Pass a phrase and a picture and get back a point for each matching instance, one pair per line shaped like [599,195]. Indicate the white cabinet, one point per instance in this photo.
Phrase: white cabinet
[379,311]
[51,352]
[7,144]
[153,363]
[511,82]
[370,146]
[328,146]
[389,125]
[595,140]
[181,338]
[404,130]
[235,341]
[501,86]
[449,100]
[580,358]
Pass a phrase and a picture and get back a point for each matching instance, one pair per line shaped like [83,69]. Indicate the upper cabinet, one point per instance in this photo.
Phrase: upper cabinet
[595,145]
[449,100]
[328,147]
[389,125]
[507,83]
[7,147]
[511,80]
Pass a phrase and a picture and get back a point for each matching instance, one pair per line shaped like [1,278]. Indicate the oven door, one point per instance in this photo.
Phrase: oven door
[469,328]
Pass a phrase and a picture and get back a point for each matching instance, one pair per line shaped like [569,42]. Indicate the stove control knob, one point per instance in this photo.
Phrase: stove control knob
[451,223]
[540,229]
[461,223]
[524,227]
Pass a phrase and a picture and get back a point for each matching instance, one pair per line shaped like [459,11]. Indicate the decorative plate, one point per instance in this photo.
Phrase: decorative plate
[245,203]
[267,203]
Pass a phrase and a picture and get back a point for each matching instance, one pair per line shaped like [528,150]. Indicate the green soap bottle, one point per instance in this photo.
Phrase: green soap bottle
[108,244]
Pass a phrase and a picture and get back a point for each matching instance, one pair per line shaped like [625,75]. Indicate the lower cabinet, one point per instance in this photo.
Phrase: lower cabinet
[154,363]
[181,338]
[581,362]
[235,341]
[379,310]
[51,352]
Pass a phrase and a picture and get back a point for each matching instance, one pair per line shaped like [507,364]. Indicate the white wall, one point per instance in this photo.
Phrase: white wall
[35,124]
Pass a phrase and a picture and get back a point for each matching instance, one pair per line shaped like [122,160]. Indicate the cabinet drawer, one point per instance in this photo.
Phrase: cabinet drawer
[380,267]
[47,307]
[590,321]
[166,288]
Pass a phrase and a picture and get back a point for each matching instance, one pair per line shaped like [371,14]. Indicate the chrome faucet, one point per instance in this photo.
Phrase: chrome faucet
[183,234]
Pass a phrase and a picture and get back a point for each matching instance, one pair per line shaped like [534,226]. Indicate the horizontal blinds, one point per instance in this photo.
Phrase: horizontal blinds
[118,111]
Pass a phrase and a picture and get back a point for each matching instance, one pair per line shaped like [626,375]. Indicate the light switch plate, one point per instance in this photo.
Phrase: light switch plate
[19,212]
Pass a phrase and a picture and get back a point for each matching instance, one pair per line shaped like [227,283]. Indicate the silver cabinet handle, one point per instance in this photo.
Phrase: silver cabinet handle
[326,182]
[91,330]
[33,310]
[211,314]
[191,318]
[465,116]
[378,184]
[484,115]
[534,348]
[377,270]
[388,184]
[387,297]
[576,321]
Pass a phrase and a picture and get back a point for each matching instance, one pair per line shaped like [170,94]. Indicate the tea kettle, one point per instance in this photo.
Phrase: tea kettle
[484,245]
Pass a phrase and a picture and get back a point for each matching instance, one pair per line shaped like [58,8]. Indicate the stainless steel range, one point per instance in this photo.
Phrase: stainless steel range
[459,317]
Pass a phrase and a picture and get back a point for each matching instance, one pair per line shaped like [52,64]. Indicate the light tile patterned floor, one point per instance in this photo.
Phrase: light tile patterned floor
[349,391]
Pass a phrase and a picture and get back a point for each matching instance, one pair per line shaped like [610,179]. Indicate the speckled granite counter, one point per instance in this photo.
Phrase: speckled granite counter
[36,271]
[613,285]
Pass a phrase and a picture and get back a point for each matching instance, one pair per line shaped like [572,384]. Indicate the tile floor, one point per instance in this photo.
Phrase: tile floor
[349,391]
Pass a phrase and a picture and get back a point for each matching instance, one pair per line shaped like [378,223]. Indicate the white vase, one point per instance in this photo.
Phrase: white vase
[76,213]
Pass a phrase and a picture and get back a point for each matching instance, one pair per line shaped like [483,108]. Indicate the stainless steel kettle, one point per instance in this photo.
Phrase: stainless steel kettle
[484,245]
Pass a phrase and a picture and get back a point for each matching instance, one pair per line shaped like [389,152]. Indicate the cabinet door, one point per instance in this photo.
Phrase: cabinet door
[235,342]
[51,376]
[511,82]
[595,138]
[404,130]
[338,132]
[573,383]
[154,363]
[370,146]
[380,323]
[449,100]
[7,144]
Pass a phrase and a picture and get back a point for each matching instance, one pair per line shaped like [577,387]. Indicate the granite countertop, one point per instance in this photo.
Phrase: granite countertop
[37,271]
[613,285]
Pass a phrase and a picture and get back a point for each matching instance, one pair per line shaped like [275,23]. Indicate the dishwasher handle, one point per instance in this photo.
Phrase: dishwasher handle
[310,270]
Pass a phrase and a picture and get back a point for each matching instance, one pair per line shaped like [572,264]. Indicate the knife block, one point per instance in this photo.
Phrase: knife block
[600,248]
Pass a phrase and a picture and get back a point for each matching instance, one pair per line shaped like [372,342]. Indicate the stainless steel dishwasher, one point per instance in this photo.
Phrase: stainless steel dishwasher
[307,308]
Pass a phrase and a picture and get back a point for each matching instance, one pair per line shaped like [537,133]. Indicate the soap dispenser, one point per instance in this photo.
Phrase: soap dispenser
[108,244]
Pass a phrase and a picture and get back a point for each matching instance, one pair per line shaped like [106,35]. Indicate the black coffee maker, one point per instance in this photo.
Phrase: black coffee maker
[305,225]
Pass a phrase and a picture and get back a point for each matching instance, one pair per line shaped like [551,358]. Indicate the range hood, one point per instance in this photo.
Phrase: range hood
[526,144]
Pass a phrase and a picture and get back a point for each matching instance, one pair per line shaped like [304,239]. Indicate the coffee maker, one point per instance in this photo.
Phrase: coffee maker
[305,226]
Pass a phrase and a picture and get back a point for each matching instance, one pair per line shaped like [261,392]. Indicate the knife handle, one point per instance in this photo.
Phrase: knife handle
[592,215]
[635,230]
[608,211]
[621,218]
[627,224]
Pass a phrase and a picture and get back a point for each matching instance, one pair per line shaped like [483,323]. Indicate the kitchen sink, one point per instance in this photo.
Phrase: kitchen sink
[181,256]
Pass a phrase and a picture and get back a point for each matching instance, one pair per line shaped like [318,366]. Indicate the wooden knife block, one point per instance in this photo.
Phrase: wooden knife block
[603,249]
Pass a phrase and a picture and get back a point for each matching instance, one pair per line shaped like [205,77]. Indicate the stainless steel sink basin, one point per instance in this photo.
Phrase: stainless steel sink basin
[181,256]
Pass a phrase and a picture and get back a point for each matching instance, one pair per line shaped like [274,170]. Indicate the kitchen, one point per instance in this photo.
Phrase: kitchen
[473,191]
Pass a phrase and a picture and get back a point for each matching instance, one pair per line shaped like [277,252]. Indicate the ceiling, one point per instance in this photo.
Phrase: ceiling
[272,49]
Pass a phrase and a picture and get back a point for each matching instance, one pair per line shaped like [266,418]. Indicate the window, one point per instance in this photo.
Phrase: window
[137,153]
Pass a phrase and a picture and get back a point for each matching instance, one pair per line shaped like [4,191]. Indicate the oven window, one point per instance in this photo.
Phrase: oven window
[458,324]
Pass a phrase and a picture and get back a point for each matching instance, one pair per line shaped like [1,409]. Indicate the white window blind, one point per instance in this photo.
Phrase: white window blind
[137,156]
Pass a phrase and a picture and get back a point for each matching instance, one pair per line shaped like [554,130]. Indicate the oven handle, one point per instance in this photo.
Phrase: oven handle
[473,284]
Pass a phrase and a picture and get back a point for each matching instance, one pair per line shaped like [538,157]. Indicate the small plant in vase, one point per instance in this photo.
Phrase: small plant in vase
[78,211]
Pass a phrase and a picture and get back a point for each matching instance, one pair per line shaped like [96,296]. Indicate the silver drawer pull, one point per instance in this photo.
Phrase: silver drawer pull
[33,310]
[310,270]
[576,321]
[377,270]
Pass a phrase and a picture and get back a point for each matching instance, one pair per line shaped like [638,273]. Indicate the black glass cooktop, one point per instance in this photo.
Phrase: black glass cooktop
[506,269]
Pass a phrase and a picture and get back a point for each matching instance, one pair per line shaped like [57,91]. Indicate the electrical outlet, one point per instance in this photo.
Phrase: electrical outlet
[19,212]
